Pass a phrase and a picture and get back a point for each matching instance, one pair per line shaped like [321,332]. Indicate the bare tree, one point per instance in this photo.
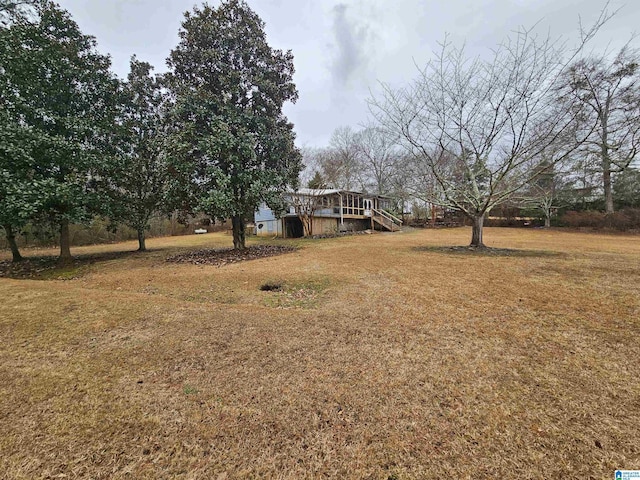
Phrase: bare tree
[378,157]
[306,202]
[401,182]
[548,190]
[610,91]
[475,125]
[341,162]
[311,163]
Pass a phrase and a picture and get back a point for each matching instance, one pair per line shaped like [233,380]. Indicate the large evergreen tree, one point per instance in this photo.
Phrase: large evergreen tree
[231,142]
[58,91]
[138,176]
[19,185]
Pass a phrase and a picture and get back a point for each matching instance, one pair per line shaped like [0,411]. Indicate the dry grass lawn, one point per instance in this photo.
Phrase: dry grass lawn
[378,358]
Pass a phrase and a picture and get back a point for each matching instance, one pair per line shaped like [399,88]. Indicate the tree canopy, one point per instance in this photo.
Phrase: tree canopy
[230,142]
[609,90]
[58,91]
[138,176]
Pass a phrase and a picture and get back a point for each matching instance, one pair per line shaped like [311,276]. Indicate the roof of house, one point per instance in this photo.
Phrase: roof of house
[319,192]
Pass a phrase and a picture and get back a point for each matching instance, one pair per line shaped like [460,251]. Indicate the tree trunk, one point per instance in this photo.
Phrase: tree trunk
[606,167]
[238,225]
[11,238]
[608,194]
[308,226]
[476,235]
[142,247]
[547,221]
[65,245]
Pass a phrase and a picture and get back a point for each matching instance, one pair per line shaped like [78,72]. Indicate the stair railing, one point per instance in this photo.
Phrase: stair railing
[388,216]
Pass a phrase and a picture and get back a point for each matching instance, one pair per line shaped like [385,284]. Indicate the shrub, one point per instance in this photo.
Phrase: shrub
[623,220]
[513,222]
[585,218]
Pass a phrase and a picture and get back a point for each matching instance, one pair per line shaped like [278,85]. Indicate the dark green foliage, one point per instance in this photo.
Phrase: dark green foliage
[138,176]
[12,10]
[20,185]
[626,188]
[58,92]
[231,146]
[317,181]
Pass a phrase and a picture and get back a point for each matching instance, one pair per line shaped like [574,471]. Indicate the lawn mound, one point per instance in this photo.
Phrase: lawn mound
[221,257]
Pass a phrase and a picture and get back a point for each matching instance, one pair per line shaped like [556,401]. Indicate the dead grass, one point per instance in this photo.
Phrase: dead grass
[396,362]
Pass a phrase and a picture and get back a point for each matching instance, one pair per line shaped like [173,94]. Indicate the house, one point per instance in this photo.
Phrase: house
[326,211]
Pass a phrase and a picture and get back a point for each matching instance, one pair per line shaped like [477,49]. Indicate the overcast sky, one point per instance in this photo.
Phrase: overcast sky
[342,49]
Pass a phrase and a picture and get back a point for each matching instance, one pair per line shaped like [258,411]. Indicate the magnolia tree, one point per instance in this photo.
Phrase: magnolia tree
[473,127]
[11,9]
[58,100]
[231,144]
[139,175]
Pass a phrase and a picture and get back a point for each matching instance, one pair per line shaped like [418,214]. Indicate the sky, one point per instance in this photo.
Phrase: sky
[344,49]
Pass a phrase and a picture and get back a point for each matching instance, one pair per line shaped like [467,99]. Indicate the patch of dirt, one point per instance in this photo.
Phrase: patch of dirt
[271,287]
[222,257]
[488,251]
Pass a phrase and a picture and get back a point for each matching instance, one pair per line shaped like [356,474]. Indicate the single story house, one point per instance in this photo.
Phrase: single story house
[328,211]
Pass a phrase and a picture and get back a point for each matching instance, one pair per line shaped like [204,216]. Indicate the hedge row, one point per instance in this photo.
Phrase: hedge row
[622,220]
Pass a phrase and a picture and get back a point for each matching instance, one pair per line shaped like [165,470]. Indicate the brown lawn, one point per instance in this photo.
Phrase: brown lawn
[378,358]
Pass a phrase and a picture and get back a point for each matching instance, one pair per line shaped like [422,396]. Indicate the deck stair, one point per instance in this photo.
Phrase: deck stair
[386,220]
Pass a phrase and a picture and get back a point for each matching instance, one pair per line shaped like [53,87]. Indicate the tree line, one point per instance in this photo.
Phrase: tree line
[76,141]
[537,124]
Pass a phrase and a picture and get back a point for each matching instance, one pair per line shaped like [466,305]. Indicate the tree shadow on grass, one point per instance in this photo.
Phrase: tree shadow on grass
[48,268]
[486,251]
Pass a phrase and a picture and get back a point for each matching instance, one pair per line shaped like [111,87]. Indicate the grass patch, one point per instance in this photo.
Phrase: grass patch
[190,390]
[303,293]
[374,360]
